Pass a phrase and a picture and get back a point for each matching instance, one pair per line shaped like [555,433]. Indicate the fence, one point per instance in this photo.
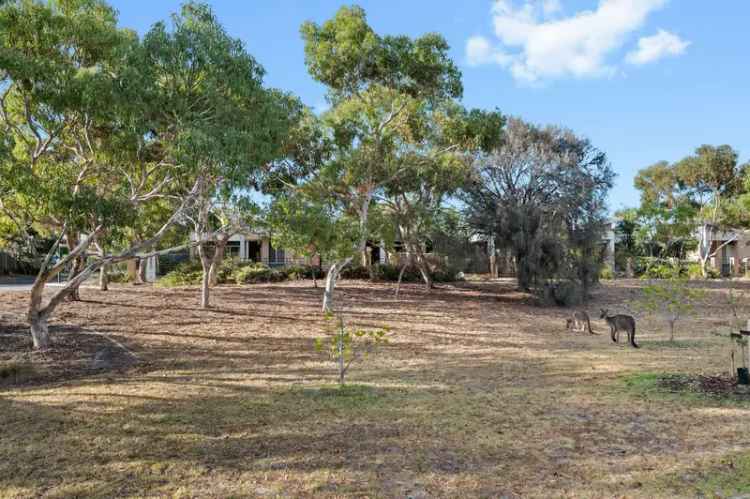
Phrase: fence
[11,265]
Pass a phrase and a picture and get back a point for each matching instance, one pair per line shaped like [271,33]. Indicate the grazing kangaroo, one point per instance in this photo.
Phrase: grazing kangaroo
[579,321]
[620,322]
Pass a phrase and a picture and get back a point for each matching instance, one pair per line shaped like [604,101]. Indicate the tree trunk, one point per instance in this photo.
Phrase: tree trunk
[39,331]
[314,276]
[205,291]
[331,278]
[671,330]
[206,261]
[401,276]
[213,278]
[424,268]
[75,269]
[103,279]
[140,274]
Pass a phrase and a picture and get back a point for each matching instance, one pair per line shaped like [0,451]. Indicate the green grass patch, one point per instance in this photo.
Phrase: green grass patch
[353,396]
[727,477]
[682,387]
[676,344]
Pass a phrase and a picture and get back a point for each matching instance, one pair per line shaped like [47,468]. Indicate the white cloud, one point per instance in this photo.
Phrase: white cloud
[480,51]
[551,7]
[535,42]
[652,48]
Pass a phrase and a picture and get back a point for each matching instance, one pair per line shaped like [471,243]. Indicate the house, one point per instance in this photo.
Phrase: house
[256,246]
[730,249]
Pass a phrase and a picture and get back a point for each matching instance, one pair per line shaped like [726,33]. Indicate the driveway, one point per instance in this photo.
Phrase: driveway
[21,283]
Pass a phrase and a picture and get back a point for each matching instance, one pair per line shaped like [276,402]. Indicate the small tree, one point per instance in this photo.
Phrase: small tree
[672,298]
[344,346]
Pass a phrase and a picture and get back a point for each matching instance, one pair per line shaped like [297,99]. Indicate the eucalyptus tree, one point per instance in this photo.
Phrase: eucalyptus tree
[71,104]
[377,88]
[541,194]
[437,162]
[228,124]
[710,177]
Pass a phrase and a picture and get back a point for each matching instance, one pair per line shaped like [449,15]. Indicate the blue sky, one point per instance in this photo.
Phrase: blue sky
[645,80]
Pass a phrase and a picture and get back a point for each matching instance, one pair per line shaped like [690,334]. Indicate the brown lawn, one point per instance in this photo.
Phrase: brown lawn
[479,394]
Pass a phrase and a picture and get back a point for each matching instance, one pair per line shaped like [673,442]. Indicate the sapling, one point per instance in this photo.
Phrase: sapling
[344,346]
[672,298]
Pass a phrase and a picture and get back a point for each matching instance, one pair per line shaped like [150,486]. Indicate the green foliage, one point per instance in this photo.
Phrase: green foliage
[663,270]
[344,346]
[256,273]
[670,297]
[236,272]
[541,194]
[345,54]
[606,273]
[185,274]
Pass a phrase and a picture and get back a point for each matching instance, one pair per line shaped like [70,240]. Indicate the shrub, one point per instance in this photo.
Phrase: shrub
[355,272]
[185,274]
[257,272]
[662,271]
[303,272]
[563,293]
[606,273]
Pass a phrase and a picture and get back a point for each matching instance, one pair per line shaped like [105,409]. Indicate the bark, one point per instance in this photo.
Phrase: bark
[423,267]
[213,272]
[38,315]
[103,279]
[401,276]
[206,261]
[141,274]
[77,266]
[331,278]
[40,331]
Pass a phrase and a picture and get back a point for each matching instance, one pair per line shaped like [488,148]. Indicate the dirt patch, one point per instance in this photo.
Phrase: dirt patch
[75,353]
[479,393]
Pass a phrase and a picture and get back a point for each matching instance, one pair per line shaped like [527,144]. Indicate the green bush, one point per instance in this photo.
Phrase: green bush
[606,273]
[257,272]
[295,272]
[355,272]
[185,274]
[389,273]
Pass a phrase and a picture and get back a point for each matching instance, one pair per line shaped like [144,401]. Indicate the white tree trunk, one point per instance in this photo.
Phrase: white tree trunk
[401,276]
[218,258]
[206,261]
[331,278]
[40,331]
[103,279]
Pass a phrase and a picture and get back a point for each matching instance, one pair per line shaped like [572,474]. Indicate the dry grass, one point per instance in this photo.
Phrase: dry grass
[479,394]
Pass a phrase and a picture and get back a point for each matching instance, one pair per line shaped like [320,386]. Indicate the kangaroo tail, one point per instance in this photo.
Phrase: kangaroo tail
[591,331]
[632,339]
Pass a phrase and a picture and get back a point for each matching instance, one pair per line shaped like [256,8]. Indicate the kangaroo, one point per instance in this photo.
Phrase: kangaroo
[620,322]
[579,321]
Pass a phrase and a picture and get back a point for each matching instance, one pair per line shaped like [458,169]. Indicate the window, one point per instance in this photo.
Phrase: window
[233,249]
[276,255]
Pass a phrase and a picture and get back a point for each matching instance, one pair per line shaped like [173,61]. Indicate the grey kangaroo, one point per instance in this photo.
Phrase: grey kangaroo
[620,322]
[579,321]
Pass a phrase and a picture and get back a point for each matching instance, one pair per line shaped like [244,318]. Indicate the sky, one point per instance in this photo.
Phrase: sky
[644,80]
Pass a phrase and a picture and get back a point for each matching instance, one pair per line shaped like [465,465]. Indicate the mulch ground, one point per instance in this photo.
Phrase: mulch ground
[479,393]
